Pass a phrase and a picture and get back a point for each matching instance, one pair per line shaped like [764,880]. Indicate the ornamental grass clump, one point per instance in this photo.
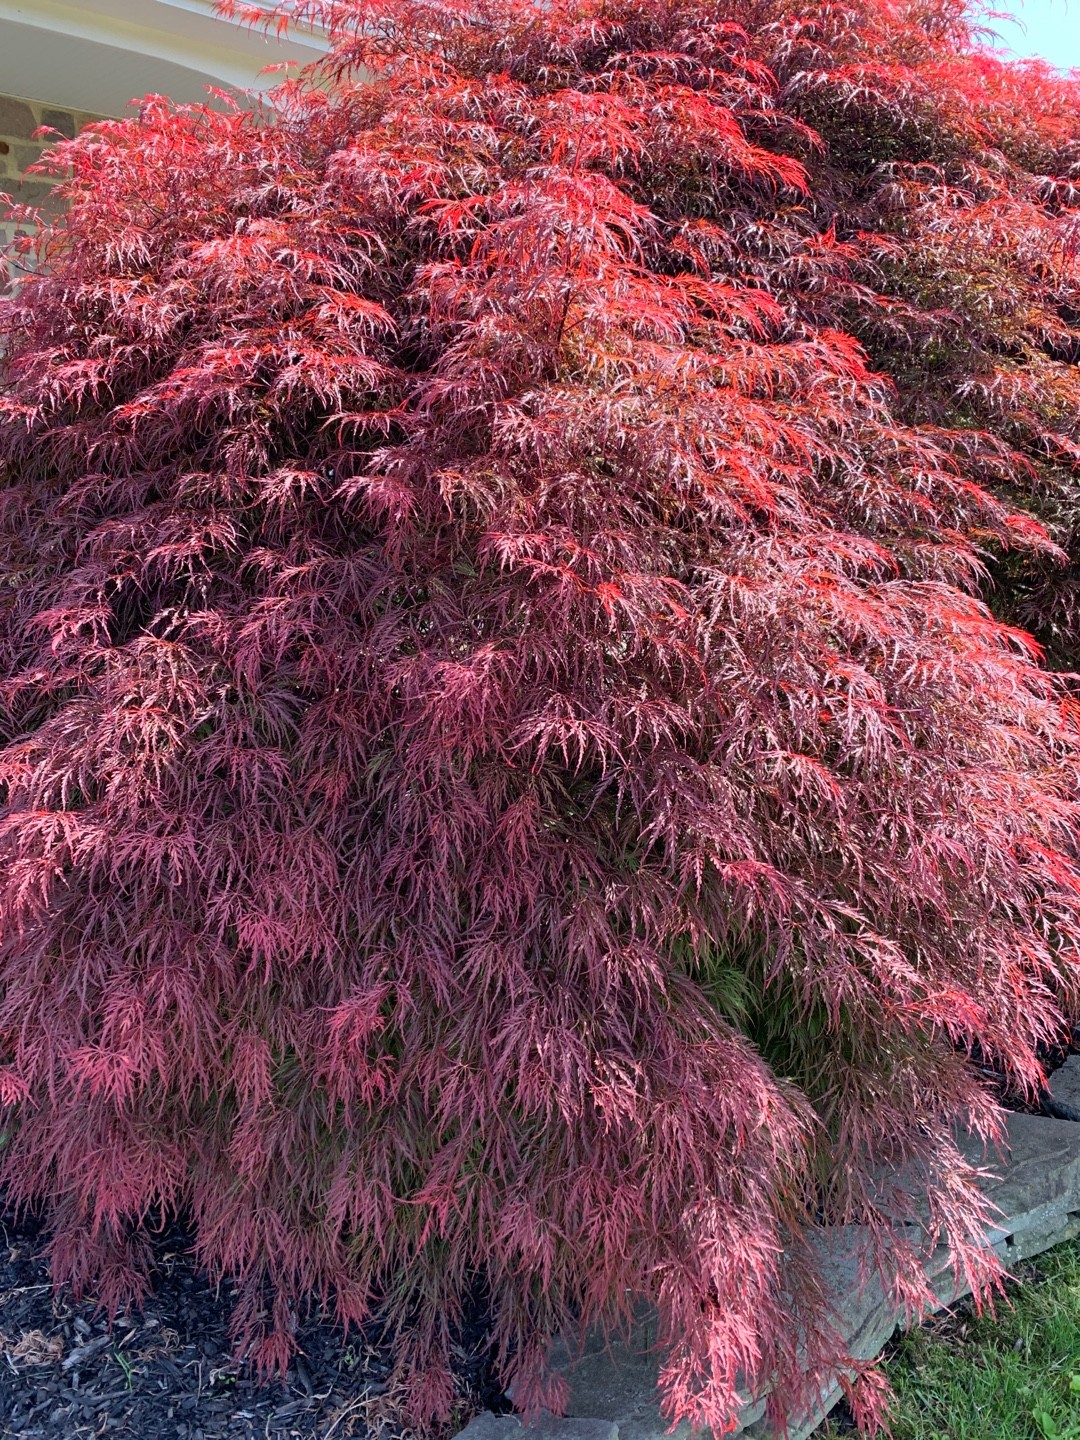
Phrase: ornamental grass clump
[509,776]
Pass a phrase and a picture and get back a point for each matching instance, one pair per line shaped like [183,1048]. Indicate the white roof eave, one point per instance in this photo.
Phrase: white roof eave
[98,55]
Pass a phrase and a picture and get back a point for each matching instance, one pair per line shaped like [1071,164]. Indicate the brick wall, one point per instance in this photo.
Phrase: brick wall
[18,121]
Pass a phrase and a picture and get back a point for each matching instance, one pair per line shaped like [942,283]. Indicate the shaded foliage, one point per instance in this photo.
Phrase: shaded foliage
[507,767]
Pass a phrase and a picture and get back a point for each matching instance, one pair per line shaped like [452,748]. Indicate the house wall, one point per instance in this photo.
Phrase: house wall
[18,149]
[88,58]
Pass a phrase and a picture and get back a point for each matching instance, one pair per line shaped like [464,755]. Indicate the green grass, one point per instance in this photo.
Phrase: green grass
[1014,1375]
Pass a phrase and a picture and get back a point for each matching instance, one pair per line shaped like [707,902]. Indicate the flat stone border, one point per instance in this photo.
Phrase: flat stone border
[487,1426]
[1036,1195]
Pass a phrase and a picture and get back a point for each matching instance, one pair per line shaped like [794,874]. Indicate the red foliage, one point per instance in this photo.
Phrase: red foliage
[506,767]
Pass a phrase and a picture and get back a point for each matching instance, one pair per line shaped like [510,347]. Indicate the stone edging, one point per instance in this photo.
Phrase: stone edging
[1037,1197]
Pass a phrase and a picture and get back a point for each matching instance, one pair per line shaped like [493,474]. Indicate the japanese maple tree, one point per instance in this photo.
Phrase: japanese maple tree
[508,771]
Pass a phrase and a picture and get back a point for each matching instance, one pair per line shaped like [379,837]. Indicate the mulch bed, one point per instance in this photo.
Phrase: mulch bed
[168,1372]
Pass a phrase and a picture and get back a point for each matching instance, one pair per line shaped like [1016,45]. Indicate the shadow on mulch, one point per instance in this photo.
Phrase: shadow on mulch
[167,1372]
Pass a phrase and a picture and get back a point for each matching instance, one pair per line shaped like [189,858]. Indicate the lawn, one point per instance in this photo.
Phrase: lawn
[1010,1376]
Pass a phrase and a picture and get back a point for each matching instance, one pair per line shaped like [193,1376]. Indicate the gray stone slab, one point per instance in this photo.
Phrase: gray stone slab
[1064,1087]
[1037,1192]
[487,1426]
[617,1381]
[1038,1186]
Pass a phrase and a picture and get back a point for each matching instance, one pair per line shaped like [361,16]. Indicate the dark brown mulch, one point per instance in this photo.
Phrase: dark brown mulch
[168,1373]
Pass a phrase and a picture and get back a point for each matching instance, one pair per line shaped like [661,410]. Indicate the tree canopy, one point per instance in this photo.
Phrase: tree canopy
[522,760]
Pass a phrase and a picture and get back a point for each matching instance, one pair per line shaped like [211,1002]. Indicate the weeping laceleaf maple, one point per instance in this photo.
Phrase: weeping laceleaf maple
[506,771]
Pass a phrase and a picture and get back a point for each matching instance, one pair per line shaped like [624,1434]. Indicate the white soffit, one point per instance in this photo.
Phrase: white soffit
[99,55]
